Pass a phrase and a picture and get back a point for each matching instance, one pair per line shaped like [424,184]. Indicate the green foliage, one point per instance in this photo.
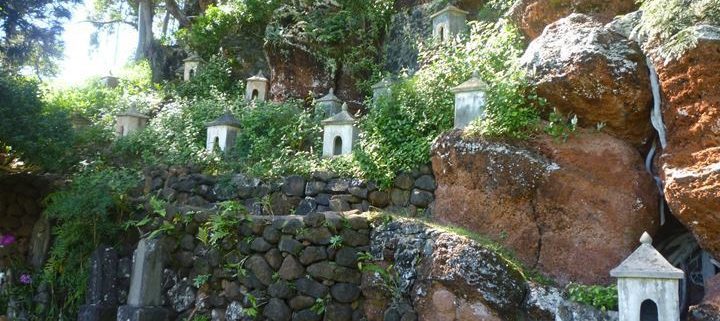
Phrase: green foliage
[86,214]
[201,280]
[223,225]
[559,126]
[601,297]
[666,23]
[320,304]
[38,134]
[31,33]
[344,36]
[336,241]
[277,139]
[212,77]
[227,24]
[399,130]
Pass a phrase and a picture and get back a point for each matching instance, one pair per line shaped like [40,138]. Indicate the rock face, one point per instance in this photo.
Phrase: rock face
[709,308]
[691,162]
[531,16]
[573,210]
[294,73]
[581,67]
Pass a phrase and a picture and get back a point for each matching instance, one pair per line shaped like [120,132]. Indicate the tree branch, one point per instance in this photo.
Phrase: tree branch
[107,22]
[173,8]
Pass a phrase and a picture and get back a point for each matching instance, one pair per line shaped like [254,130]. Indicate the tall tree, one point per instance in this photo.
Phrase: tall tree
[141,15]
[30,33]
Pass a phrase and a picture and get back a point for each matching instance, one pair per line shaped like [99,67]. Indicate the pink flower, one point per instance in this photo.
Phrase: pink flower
[7,239]
[25,279]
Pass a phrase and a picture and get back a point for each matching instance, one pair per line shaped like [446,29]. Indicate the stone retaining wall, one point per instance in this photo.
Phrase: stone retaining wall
[295,267]
[412,193]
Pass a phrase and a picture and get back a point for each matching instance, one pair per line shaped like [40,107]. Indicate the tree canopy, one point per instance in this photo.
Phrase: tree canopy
[30,33]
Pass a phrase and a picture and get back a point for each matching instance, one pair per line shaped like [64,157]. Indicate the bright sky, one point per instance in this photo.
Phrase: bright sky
[80,62]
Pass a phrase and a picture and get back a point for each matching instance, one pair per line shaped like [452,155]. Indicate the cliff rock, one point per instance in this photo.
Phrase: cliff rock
[573,210]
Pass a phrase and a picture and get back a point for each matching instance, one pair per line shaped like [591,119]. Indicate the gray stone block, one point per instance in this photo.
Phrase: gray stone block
[133,313]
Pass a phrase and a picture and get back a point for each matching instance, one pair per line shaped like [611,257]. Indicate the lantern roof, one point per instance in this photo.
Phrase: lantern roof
[132,112]
[329,97]
[227,119]
[258,77]
[341,118]
[381,84]
[646,262]
[472,84]
[194,57]
[450,9]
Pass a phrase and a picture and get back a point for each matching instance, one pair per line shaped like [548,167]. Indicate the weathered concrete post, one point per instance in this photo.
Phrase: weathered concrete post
[144,298]
[101,301]
[647,285]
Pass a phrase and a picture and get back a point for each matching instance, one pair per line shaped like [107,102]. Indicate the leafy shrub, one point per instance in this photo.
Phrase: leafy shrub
[398,131]
[601,297]
[212,77]
[86,214]
[277,139]
[36,134]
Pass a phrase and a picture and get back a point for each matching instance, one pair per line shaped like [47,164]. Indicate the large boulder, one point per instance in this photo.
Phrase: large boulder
[572,209]
[584,68]
[531,16]
[444,276]
[690,164]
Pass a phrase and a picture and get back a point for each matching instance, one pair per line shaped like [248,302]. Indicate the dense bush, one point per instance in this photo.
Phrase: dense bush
[32,131]
[399,130]
[277,139]
[86,214]
[213,77]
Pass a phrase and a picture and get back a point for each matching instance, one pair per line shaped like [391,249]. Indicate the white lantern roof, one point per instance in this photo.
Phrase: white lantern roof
[258,77]
[227,119]
[330,97]
[450,9]
[341,118]
[646,262]
[193,58]
[473,84]
[132,112]
[383,83]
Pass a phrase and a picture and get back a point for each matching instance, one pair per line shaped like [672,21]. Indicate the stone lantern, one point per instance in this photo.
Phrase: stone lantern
[222,133]
[110,81]
[648,285]
[381,89]
[448,22]
[192,64]
[329,104]
[256,87]
[469,101]
[340,133]
[130,121]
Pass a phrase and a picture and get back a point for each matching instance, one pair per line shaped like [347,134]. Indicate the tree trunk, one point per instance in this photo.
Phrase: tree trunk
[145,32]
[172,7]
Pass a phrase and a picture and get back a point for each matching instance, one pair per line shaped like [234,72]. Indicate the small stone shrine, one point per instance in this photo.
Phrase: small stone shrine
[339,134]
[110,81]
[329,104]
[381,89]
[130,121]
[256,88]
[144,299]
[101,300]
[448,22]
[469,101]
[647,285]
[222,132]
[191,66]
